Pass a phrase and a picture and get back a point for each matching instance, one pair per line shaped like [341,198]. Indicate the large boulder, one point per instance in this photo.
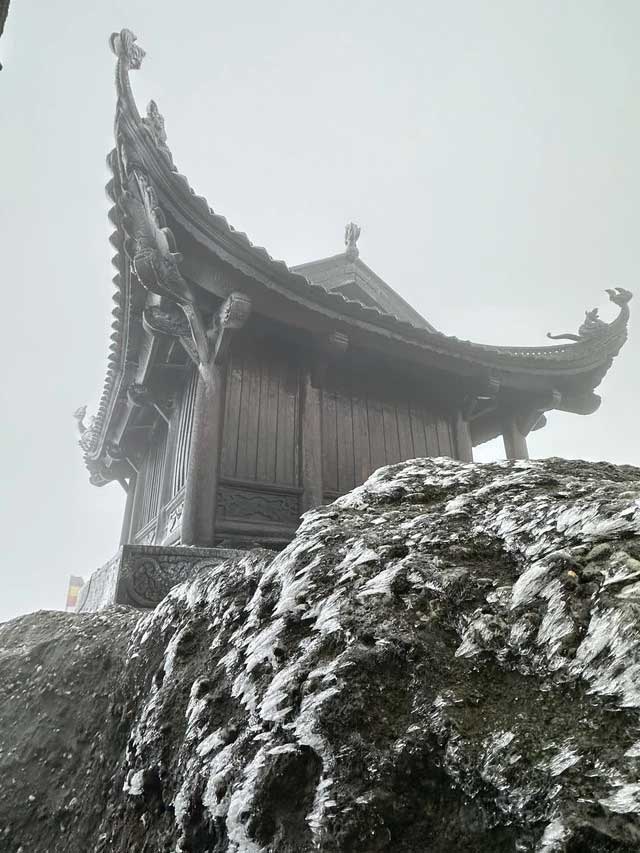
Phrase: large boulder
[446,659]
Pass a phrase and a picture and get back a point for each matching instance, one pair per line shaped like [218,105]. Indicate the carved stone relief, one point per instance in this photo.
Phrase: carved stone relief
[148,574]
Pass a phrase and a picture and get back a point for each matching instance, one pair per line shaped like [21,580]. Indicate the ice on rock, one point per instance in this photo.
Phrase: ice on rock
[530,583]
[564,759]
[381,583]
[556,622]
[554,837]
[624,800]
[134,784]
[483,687]
[240,805]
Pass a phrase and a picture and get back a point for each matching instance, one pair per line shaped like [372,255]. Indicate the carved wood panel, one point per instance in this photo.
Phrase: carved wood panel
[256,505]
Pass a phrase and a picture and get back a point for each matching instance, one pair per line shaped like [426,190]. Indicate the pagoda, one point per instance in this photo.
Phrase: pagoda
[241,392]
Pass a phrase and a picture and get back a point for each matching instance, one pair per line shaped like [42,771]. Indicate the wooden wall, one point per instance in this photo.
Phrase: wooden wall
[365,427]
[149,483]
[183,426]
[367,418]
[260,441]
[259,488]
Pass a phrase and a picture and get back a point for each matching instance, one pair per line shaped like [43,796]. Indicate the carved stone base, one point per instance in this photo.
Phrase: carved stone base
[141,575]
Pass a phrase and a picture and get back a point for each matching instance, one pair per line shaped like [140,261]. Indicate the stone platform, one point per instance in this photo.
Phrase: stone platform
[141,575]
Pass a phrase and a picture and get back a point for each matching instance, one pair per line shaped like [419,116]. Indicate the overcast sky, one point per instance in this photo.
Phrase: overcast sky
[489,150]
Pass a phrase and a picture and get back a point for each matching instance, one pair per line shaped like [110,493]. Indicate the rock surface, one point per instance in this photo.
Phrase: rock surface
[446,659]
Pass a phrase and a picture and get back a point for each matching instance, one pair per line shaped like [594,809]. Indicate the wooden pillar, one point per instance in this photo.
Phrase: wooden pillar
[325,350]
[212,349]
[168,467]
[515,443]
[311,440]
[464,445]
[198,515]
[125,535]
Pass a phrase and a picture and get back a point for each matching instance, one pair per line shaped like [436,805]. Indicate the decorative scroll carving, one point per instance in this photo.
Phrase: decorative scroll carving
[150,243]
[165,320]
[151,247]
[232,316]
[139,395]
[593,326]
[113,465]
[235,311]
[248,505]
[149,580]
[168,320]
[147,574]
[351,235]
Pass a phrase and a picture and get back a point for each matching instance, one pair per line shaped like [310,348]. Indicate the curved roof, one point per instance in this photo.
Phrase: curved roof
[141,145]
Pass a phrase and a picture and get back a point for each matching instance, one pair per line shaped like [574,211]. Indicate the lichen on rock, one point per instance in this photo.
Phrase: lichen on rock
[445,659]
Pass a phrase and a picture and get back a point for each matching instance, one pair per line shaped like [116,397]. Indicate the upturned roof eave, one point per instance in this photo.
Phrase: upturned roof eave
[234,247]
[584,357]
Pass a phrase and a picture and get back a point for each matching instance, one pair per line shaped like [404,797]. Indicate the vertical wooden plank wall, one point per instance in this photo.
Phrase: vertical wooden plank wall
[149,481]
[184,427]
[261,430]
[361,433]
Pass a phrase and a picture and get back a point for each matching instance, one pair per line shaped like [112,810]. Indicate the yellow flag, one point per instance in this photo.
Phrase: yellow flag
[75,584]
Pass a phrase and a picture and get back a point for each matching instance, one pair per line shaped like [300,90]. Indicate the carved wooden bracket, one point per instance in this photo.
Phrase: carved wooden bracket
[140,396]
[113,465]
[232,316]
[483,401]
[535,419]
[151,247]
[168,319]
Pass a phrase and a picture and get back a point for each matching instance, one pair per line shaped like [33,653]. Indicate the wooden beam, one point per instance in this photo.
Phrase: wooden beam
[311,440]
[515,443]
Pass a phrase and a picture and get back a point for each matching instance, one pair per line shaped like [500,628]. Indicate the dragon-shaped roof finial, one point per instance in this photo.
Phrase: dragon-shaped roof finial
[87,430]
[123,44]
[593,326]
[351,235]
[619,296]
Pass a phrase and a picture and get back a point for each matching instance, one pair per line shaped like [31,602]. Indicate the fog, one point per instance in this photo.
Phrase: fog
[488,150]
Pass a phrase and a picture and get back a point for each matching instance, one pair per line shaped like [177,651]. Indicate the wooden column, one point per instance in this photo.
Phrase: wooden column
[212,349]
[515,443]
[199,513]
[311,440]
[464,445]
[125,535]
[325,350]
